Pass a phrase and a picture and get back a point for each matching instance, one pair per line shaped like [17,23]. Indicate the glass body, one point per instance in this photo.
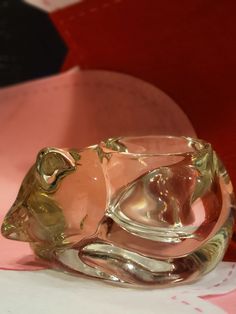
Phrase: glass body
[143,211]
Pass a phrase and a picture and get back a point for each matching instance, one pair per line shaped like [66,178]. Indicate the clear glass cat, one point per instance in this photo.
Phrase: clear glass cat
[140,211]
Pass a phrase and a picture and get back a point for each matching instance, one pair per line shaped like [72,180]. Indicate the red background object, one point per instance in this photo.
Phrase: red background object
[185,48]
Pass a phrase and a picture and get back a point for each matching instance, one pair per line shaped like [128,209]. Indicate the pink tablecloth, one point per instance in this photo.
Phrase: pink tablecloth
[77,109]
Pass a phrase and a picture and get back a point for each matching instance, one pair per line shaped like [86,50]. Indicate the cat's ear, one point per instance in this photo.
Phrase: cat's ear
[52,164]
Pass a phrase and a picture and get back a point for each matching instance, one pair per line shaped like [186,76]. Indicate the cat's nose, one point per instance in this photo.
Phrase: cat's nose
[9,231]
[12,229]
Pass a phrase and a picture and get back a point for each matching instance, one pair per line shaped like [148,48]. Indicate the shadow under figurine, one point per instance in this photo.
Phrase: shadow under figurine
[143,211]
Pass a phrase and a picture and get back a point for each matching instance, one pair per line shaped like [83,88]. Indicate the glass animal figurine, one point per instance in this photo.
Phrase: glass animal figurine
[140,211]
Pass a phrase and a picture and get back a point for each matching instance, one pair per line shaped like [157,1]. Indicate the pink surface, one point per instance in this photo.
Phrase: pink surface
[225,301]
[74,109]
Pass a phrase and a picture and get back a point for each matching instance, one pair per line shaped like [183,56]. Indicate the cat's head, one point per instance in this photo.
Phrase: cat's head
[50,207]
